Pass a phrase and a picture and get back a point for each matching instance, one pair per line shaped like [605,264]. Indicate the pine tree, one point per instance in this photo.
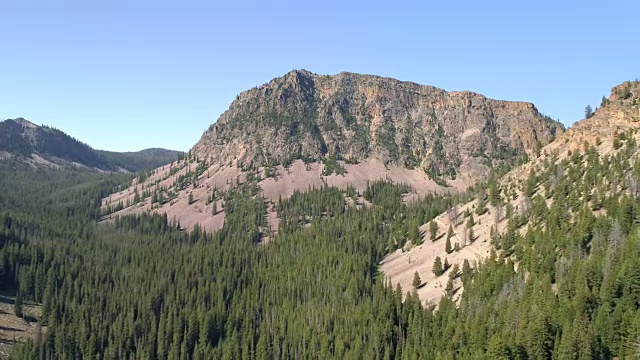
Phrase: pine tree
[481,208]
[494,192]
[17,305]
[588,112]
[509,210]
[437,266]
[455,271]
[604,102]
[433,230]
[497,350]
[471,222]
[449,288]
[540,338]
[447,246]
[414,234]
[416,280]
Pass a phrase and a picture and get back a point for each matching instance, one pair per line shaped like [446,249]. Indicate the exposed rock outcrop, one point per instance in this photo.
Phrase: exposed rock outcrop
[307,116]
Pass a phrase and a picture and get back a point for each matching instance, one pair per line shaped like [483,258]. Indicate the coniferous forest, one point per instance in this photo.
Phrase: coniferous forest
[563,282]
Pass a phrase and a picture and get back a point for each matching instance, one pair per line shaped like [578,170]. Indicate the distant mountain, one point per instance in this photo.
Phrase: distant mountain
[24,141]
[141,160]
[48,146]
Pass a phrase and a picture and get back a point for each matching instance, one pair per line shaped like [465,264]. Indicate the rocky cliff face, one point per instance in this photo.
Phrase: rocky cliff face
[354,117]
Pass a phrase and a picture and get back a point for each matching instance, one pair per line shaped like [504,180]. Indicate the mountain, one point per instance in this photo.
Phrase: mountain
[36,145]
[147,159]
[356,117]
[45,145]
[539,262]
[303,131]
[594,164]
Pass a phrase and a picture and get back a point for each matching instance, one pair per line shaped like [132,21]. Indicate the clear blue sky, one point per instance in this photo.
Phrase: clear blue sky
[127,75]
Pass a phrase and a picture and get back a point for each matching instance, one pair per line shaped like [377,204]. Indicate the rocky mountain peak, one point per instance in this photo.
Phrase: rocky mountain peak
[355,117]
[617,113]
[304,130]
[25,123]
[628,90]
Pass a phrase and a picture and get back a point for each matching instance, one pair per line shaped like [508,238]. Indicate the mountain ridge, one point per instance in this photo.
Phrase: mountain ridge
[303,131]
[302,115]
[24,141]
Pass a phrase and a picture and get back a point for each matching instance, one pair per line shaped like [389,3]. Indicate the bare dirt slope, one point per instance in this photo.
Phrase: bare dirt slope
[14,329]
[401,265]
[177,205]
[282,184]
[301,177]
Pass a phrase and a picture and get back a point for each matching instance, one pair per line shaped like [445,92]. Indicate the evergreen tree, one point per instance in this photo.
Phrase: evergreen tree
[437,266]
[588,112]
[497,350]
[494,192]
[455,271]
[447,246]
[471,222]
[449,288]
[466,270]
[416,280]
[481,208]
[433,229]
[17,305]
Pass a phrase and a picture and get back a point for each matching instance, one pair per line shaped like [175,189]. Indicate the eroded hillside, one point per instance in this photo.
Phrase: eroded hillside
[305,131]
[596,159]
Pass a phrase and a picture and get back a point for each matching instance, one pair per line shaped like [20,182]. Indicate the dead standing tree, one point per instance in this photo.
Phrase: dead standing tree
[453,214]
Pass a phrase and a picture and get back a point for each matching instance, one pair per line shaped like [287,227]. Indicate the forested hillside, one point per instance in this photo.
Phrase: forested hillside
[23,142]
[146,159]
[563,280]
[43,145]
[141,288]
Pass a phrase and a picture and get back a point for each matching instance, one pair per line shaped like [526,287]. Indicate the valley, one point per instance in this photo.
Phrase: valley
[524,247]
